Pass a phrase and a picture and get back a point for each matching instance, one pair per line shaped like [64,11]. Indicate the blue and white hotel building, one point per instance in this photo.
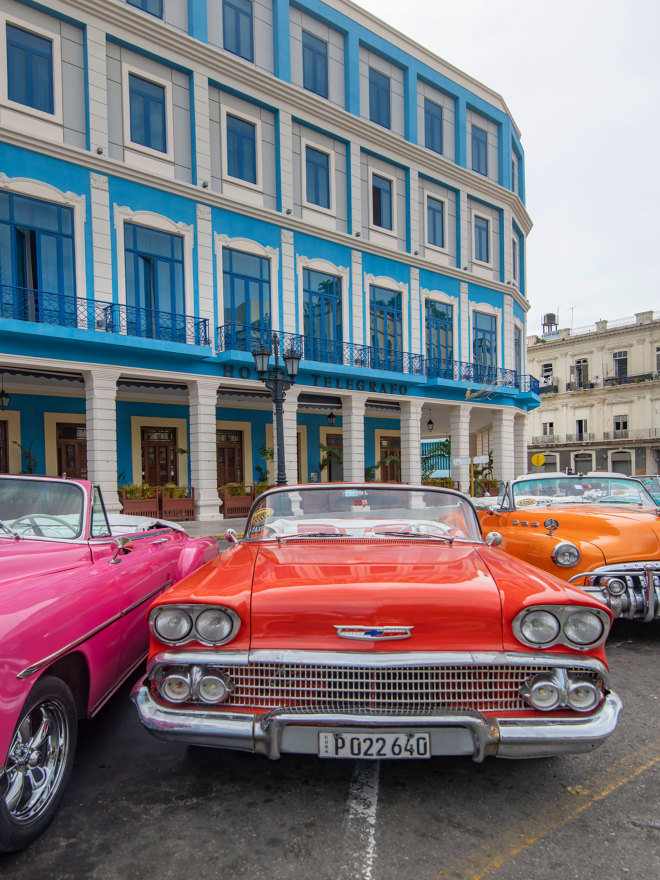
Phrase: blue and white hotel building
[181,178]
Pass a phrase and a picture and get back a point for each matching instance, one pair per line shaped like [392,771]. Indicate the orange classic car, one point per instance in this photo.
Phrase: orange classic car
[600,531]
[373,621]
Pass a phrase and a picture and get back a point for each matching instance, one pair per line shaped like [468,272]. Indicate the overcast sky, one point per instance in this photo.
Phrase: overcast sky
[582,81]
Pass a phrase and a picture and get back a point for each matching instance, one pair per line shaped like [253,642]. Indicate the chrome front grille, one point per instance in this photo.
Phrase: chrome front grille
[371,690]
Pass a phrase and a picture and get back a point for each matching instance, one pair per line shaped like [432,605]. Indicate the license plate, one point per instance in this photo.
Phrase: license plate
[350,744]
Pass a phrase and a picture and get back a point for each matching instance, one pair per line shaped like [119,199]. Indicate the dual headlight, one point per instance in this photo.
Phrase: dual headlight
[544,626]
[208,624]
[546,692]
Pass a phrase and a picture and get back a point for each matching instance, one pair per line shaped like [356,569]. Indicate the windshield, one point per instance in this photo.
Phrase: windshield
[579,490]
[32,508]
[365,511]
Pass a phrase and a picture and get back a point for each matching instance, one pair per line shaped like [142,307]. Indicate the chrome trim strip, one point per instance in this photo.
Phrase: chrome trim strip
[198,658]
[506,738]
[46,661]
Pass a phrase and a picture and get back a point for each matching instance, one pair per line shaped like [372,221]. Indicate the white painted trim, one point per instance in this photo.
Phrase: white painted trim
[372,226]
[56,40]
[523,353]
[318,265]
[253,120]
[248,246]
[445,299]
[139,422]
[324,430]
[304,143]
[487,309]
[123,214]
[126,70]
[490,264]
[246,429]
[25,186]
[14,454]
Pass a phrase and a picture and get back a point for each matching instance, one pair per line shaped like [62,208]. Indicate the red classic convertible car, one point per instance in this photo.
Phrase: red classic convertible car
[373,621]
[73,597]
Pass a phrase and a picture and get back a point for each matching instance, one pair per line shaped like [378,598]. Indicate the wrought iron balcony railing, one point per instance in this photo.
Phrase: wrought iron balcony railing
[63,310]
[585,437]
[546,440]
[241,337]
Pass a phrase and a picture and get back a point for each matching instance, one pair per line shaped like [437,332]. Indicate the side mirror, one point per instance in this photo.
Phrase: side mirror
[493,539]
[231,536]
[122,543]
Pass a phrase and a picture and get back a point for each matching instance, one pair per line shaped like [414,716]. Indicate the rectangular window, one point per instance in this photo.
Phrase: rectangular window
[241,149]
[621,423]
[246,286]
[147,113]
[481,240]
[546,372]
[317,177]
[153,7]
[581,373]
[432,126]
[237,28]
[30,69]
[514,257]
[548,429]
[484,345]
[386,328]
[379,98]
[37,261]
[440,337]
[479,150]
[322,317]
[315,64]
[620,359]
[514,174]
[517,349]
[657,359]
[381,198]
[435,222]
[154,283]
[581,428]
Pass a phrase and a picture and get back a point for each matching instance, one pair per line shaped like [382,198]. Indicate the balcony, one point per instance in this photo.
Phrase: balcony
[585,437]
[546,440]
[635,434]
[629,380]
[549,389]
[62,310]
[241,337]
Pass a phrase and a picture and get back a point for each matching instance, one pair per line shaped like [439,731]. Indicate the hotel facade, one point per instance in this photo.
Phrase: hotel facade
[180,180]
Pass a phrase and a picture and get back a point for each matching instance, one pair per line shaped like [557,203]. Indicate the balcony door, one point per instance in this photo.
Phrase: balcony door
[159,456]
[386,328]
[154,283]
[229,446]
[439,338]
[322,314]
[71,451]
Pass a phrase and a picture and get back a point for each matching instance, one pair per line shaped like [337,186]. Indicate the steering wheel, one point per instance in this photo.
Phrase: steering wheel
[31,518]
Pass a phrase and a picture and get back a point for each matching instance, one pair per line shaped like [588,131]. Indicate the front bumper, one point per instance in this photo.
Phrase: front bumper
[452,732]
[637,584]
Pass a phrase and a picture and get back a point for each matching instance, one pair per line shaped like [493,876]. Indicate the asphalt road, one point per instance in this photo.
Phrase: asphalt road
[141,808]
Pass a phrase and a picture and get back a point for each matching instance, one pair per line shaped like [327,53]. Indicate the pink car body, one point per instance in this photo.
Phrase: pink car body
[74,589]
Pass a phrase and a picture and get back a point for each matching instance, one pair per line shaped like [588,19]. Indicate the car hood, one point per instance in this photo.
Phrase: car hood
[303,590]
[621,532]
[21,559]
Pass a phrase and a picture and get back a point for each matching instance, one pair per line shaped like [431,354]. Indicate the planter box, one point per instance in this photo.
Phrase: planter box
[140,506]
[234,506]
[178,509]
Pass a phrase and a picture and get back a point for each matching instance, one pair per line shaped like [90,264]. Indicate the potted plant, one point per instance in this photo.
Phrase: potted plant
[139,499]
[177,502]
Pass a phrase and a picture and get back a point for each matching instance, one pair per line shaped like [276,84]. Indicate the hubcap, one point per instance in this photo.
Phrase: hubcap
[37,760]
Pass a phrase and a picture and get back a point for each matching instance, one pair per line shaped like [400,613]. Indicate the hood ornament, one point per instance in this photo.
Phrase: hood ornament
[374,633]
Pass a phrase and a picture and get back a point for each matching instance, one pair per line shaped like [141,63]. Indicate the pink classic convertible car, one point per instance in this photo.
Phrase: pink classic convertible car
[74,591]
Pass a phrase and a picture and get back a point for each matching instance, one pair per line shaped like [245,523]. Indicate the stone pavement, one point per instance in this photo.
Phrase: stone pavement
[215,528]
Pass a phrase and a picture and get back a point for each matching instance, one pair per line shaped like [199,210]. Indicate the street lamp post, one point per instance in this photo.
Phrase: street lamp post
[278,379]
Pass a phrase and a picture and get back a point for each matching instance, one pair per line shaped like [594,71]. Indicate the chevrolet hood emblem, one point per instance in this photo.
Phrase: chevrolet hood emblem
[374,633]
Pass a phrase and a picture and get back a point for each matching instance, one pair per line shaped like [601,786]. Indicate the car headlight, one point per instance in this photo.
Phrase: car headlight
[539,627]
[215,625]
[583,695]
[565,554]
[583,627]
[171,624]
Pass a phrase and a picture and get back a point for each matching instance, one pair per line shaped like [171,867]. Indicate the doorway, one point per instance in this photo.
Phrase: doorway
[390,472]
[71,450]
[229,446]
[159,456]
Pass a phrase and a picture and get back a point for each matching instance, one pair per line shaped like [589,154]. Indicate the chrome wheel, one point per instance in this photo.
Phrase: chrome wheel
[37,760]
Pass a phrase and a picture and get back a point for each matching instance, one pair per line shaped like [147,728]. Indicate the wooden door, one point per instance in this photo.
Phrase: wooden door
[71,450]
[159,456]
[390,473]
[229,445]
[4,448]
[335,467]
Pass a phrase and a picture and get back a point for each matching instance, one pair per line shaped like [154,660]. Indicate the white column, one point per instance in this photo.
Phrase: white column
[466,348]
[503,445]
[411,441]
[459,428]
[101,420]
[202,403]
[205,267]
[520,444]
[356,188]
[290,430]
[286,160]
[101,239]
[357,299]
[415,313]
[288,286]
[352,413]
[202,126]
[97,79]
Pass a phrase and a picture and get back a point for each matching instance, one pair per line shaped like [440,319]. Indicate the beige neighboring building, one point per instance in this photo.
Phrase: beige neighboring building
[600,396]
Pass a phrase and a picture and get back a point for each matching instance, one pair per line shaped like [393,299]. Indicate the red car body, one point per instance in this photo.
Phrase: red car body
[384,615]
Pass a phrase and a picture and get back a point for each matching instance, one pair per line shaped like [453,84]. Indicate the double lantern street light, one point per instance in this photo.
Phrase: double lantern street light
[278,379]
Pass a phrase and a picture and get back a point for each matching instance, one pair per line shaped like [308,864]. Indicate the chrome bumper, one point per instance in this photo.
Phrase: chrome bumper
[452,732]
[637,596]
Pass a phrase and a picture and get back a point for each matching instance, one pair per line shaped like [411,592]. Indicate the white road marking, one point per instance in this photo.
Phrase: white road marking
[360,836]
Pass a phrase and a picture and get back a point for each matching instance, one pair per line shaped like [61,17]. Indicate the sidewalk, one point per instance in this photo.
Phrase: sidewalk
[216,529]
